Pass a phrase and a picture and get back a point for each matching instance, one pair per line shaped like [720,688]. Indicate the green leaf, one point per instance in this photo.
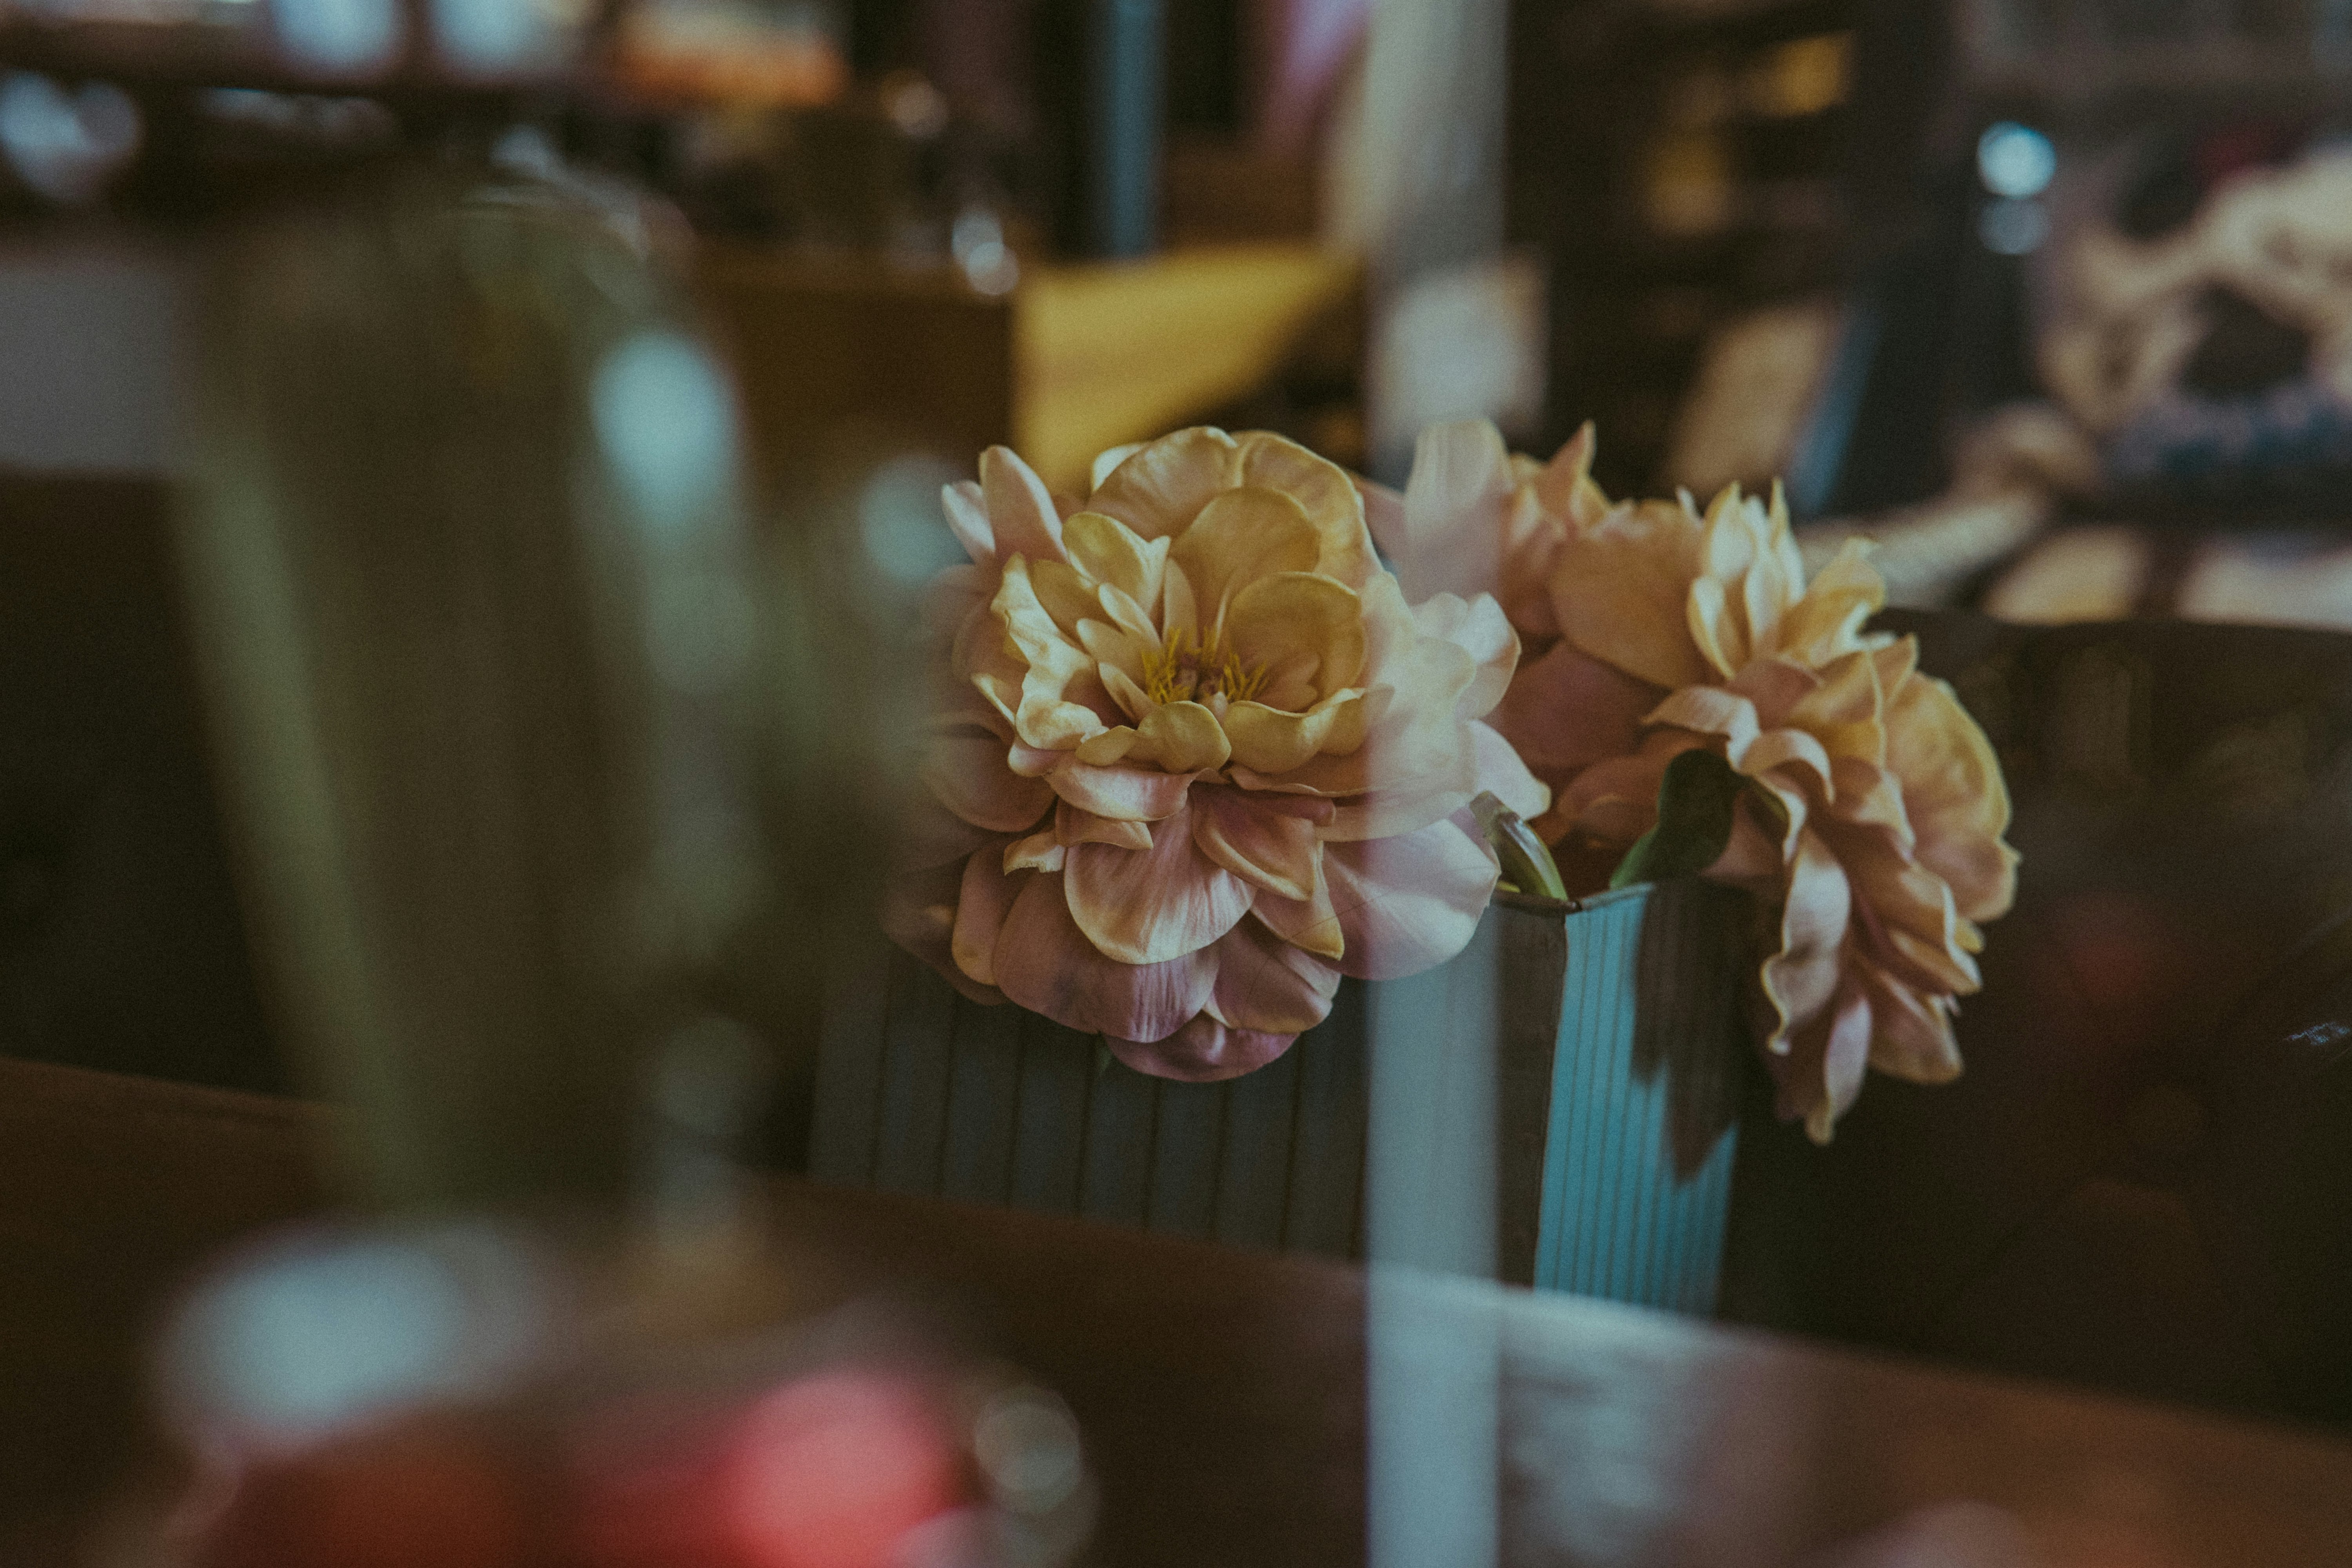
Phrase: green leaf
[1527,865]
[1696,802]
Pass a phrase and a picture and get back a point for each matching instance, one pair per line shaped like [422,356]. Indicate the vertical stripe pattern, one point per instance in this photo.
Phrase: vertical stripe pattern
[921,1090]
[1645,1082]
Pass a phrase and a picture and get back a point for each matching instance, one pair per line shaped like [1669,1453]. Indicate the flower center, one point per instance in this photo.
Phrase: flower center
[1186,670]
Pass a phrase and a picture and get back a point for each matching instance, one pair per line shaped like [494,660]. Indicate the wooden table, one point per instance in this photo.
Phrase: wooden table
[1223,1393]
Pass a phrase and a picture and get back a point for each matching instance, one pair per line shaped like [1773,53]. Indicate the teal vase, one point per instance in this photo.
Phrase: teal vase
[1557,1106]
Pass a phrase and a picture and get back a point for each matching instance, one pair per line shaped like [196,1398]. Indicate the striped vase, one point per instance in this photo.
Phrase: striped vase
[1558,1106]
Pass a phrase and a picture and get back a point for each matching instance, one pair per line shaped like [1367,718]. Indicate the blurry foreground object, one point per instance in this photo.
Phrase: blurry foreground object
[471,1396]
[484,627]
[467,569]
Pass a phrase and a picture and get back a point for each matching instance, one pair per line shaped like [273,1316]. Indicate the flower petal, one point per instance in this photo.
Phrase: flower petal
[1066,595]
[1239,537]
[1072,825]
[1823,1071]
[1109,553]
[1046,717]
[918,913]
[1803,757]
[1131,794]
[1180,613]
[1383,515]
[1132,700]
[1032,761]
[1621,589]
[1568,710]
[1146,906]
[1503,774]
[1041,851]
[969,774]
[1286,615]
[1202,1051]
[1161,486]
[1827,622]
[983,899]
[1817,904]
[1384,814]
[1269,741]
[1111,746]
[1478,628]
[1181,738]
[1326,492]
[1453,506]
[1911,1030]
[1108,642]
[1265,984]
[967,511]
[1617,800]
[1714,628]
[1107,460]
[1413,738]
[1844,711]
[1565,488]
[1258,838]
[1044,963]
[1776,686]
[1406,903]
[1954,795]
[1020,510]
[1711,710]
[1307,923]
[1775,581]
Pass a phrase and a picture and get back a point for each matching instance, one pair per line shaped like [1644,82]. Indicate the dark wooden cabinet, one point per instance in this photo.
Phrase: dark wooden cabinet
[121,944]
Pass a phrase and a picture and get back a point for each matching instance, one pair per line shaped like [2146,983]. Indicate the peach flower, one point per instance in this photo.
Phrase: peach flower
[1874,820]
[1193,757]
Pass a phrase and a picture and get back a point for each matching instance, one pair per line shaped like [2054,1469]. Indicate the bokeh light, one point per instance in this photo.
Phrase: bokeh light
[2015,161]
[666,417]
[322,1333]
[836,1470]
[339,36]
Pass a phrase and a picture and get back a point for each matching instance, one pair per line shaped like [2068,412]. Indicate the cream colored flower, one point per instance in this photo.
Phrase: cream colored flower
[1196,757]
[1875,825]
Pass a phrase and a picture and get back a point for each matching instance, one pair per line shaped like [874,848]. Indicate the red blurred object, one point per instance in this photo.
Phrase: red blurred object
[834,1470]
[425,1494]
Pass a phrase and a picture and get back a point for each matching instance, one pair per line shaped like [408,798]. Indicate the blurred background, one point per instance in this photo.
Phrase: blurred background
[2052,297]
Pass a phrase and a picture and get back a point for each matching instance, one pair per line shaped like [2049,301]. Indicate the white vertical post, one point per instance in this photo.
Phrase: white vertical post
[1431,1356]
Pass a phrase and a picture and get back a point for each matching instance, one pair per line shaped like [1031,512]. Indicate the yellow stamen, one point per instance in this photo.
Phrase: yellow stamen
[1185,670]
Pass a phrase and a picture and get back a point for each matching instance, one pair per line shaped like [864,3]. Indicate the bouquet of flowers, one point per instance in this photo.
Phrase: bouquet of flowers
[1697,706]
[1196,755]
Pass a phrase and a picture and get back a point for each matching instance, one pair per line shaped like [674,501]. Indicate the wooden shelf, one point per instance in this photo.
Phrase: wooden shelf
[1114,353]
[1076,359]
